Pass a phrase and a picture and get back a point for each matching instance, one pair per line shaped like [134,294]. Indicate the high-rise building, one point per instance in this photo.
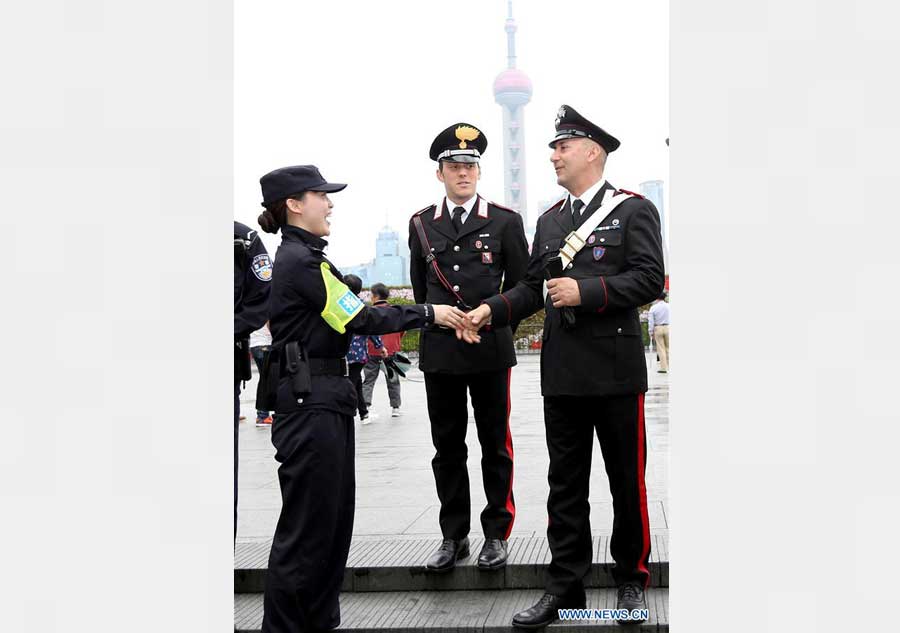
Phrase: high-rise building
[391,263]
[653,191]
[512,90]
[389,267]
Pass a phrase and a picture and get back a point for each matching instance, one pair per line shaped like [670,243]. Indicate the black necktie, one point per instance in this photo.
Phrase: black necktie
[457,218]
[576,216]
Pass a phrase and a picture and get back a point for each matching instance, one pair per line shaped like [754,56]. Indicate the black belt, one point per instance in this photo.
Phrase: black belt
[328,367]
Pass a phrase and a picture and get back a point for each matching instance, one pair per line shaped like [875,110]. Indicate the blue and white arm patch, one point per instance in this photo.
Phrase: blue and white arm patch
[262,267]
[350,303]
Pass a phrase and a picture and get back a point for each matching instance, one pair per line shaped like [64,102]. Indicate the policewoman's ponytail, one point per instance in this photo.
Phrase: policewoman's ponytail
[274,217]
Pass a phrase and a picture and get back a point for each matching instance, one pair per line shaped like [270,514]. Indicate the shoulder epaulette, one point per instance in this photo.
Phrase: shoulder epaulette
[636,195]
[558,204]
[421,211]
[244,233]
[500,206]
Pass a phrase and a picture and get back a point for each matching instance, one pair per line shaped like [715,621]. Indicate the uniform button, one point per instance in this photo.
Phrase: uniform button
[602,239]
[619,331]
[455,288]
[456,248]
[455,267]
[569,266]
[432,249]
[485,247]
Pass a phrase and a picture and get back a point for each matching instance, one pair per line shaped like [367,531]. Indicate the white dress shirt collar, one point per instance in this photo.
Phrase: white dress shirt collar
[588,195]
[467,205]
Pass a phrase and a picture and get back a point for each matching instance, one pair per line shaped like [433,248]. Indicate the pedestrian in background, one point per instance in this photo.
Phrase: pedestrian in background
[358,355]
[260,343]
[375,364]
[658,326]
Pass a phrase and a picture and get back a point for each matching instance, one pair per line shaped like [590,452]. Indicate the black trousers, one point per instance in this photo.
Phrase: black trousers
[312,539]
[355,371]
[449,418]
[618,422]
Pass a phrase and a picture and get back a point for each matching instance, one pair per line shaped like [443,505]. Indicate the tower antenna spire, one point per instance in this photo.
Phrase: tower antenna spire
[512,91]
[510,38]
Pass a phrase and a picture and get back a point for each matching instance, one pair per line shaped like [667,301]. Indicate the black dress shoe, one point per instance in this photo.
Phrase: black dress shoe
[447,554]
[630,596]
[493,554]
[545,612]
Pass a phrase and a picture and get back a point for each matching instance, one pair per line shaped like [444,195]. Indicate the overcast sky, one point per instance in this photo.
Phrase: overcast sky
[360,89]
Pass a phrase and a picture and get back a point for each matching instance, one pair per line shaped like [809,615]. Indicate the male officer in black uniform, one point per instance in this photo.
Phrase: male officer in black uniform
[477,246]
[252,277]
[593,371]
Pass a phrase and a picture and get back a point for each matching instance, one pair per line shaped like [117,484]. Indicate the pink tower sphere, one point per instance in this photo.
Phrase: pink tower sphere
[512,80]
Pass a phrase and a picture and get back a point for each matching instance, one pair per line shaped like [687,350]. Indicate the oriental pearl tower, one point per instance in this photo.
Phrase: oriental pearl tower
[512,90]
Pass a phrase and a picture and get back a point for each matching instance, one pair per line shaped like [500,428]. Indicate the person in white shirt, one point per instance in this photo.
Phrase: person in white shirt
[658,326]
[260,342]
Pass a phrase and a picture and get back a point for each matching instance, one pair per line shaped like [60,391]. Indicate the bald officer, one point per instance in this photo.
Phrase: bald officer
[464,249]
[593,371]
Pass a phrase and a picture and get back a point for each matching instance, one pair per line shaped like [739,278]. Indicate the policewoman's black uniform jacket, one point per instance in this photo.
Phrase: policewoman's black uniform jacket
[298,298]
[489,255]
[252,279]
[618,270]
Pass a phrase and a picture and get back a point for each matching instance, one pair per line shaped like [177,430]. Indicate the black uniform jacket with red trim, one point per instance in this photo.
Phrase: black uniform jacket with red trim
[488,256]
[619,269]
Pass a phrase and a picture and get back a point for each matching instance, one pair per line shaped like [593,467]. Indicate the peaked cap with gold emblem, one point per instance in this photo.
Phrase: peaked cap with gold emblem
[459,143]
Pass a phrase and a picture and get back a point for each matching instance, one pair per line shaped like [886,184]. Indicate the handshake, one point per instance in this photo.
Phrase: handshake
[466,324]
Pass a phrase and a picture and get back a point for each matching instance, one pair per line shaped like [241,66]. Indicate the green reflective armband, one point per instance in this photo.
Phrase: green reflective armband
[341,305]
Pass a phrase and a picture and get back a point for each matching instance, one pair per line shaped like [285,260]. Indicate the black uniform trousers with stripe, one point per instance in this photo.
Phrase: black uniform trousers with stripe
[449,418]
[312,537]
[571,422]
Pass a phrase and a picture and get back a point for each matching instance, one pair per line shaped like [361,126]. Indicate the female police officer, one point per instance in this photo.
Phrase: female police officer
[312,313]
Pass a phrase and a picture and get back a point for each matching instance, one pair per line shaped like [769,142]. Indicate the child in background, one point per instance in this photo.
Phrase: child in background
[358,355]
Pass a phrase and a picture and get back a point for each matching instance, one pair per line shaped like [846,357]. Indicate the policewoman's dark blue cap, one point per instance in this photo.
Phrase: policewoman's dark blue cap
[288,181]
[459,143]
[570,124]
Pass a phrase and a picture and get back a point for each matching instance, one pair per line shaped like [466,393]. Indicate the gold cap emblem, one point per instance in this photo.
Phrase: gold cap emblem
[465,133]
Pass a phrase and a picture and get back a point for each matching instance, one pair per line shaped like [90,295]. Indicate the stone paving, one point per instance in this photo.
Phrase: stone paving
[395,494]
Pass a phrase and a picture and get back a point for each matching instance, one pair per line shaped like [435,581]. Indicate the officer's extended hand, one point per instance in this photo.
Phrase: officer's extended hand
[474,320]
[449,316]
[479,317]
[564,291]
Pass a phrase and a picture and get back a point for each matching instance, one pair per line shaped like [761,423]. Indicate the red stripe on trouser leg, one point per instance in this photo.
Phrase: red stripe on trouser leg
[642,491]
[510,506]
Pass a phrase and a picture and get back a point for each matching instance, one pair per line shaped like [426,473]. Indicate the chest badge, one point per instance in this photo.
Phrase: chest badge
[477,243]
[592,239]
[487,258]
[598,252]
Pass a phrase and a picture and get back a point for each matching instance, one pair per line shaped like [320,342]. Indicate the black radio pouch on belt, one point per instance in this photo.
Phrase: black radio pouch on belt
[242,360]
[552,270]
[297,367]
